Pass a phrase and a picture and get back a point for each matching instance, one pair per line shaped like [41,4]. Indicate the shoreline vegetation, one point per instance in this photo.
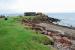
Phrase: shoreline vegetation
[36,29]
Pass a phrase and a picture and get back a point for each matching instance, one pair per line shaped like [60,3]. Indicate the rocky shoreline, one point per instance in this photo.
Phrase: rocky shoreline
[61,41]
[63,38]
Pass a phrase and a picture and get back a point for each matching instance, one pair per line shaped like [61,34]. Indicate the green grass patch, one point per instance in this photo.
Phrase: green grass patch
[13,36]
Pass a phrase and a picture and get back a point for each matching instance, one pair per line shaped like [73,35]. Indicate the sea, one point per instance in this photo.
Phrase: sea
[67,19]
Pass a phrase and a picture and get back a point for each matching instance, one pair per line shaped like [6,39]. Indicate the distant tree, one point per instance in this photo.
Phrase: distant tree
[2,16]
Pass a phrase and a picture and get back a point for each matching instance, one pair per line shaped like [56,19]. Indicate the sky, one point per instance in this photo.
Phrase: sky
[46,6]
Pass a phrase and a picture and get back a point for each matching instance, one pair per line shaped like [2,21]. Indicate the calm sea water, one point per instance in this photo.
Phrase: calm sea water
[67,19]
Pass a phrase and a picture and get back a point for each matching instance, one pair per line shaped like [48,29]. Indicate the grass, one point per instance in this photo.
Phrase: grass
[13,36]
[29,17]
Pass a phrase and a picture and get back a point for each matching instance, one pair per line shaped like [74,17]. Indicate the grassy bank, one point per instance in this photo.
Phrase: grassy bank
[13,36]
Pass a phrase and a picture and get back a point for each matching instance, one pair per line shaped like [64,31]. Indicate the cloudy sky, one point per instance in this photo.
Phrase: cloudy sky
[52,6]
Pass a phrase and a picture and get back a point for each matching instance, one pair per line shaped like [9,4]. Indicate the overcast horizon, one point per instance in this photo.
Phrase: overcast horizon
[45,6]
